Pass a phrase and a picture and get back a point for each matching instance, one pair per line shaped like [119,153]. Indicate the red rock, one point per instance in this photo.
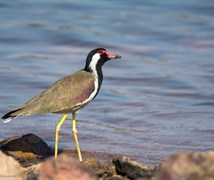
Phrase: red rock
[187,166]
[64,168]
[10,168]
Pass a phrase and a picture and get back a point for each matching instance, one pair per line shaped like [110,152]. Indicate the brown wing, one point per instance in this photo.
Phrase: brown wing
[62,96]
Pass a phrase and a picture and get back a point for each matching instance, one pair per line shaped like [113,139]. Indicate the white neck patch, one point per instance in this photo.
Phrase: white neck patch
[92,65]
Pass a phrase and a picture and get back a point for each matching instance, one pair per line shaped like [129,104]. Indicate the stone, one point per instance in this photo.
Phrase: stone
[95,166]
[187,166]
[28,143]
[116,177]
[64,168]
[133,170]
[28,149]
[102,170]
[31,172]
[10,168]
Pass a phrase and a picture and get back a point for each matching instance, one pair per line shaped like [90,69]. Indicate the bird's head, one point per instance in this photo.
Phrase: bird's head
[97,57]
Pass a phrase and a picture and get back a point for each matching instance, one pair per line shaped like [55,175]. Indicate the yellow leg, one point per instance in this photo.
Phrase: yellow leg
[57,133]
[74,130]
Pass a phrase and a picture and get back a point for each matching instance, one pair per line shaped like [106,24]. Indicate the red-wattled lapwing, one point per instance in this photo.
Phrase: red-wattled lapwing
[68,95]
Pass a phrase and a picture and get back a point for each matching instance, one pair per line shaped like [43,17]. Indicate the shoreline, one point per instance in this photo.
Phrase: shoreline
[29,157]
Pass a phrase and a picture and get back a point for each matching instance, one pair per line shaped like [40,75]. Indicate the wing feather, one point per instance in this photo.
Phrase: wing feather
[62,96]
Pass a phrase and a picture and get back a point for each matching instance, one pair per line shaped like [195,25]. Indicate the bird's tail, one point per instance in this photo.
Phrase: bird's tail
[10,116]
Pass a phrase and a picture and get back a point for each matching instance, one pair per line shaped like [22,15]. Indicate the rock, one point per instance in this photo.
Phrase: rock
[31,173]
[110,171]
[102,170]
[27,149]
[9,168]
[29,143]
[187,166]
[116,177]
[132,169]
[95,166]
[64,168]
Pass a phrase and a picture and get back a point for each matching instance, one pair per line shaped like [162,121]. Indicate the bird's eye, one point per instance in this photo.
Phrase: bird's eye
[101,52]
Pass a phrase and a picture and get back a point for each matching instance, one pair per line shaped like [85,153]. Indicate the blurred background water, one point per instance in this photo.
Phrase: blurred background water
[157,100]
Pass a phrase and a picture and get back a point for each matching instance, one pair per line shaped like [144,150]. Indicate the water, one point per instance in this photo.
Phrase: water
[157,100]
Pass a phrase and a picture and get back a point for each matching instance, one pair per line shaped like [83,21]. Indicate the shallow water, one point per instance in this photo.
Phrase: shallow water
[157,100]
